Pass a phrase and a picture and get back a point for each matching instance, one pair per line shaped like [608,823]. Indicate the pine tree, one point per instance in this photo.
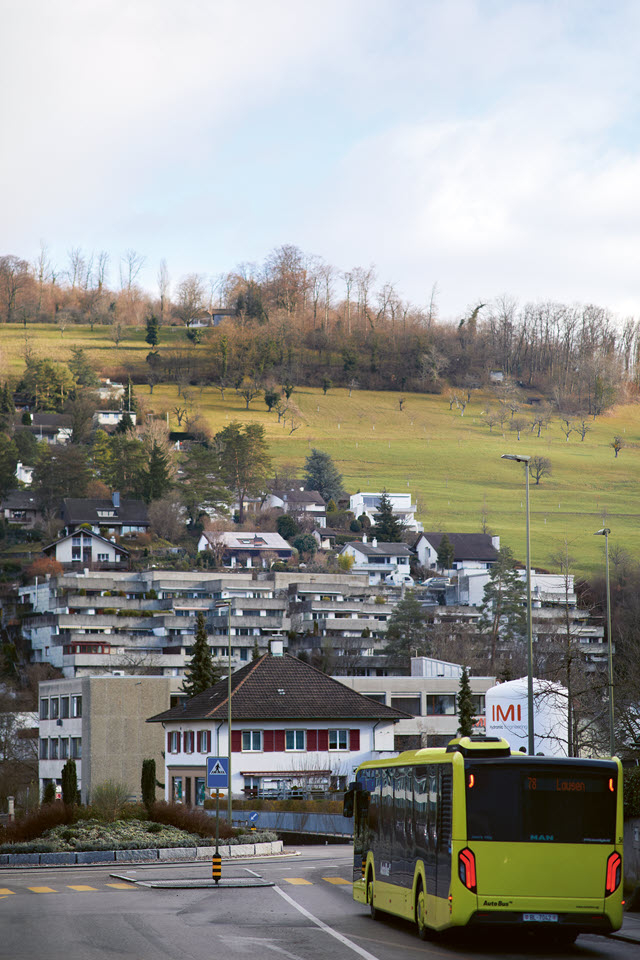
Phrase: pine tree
[466,713]
[446,553]
[387,528]
[148,783]
[156,480]
[502,612]
[69,783]
[125,424]
[407,630]
[256,650]
[321,474]
[153,331]
[202,673]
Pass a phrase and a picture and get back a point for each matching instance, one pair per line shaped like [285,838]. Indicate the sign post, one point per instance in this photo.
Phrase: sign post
[217,770]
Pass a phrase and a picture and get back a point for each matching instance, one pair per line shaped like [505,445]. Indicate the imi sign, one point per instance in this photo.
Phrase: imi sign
[507,715]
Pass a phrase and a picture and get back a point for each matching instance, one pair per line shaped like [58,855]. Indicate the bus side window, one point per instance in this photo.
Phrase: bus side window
[421,811]
[387,805]
[433,807]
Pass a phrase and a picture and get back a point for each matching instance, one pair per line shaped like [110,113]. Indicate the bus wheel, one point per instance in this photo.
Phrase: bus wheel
[375,914]
[421,914]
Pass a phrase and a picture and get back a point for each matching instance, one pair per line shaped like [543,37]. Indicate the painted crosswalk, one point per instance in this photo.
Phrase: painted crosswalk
[86,888]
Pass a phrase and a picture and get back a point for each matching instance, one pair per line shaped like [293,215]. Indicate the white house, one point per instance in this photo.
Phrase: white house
[403,508]
[378,559]
[298,502]
[291,726]
[84,548]
[109,419]
[245,548]
[471,551]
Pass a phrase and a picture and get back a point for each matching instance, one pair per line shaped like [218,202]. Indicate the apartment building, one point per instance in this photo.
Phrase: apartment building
[100,723]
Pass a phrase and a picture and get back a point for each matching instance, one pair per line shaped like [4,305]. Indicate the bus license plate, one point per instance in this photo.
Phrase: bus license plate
[540,917]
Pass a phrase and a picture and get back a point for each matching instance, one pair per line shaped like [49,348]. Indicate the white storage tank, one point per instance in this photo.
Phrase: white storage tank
[507,715]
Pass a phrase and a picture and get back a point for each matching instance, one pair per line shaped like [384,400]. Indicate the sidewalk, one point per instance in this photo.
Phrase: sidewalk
[630,929]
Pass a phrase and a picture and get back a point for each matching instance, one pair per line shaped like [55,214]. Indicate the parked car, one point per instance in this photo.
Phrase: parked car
[436,583]
[399,579]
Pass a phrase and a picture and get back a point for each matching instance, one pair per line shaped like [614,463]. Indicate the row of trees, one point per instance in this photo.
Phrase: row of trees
[297,313]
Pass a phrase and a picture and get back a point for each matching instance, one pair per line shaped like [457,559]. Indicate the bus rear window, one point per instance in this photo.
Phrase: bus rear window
[538,803]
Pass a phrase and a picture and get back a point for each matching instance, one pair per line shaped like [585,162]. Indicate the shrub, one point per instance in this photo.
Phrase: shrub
[35,824]
[109,799]
[631,779]
[154,828]
[49,793]
[186,818]
[148,783]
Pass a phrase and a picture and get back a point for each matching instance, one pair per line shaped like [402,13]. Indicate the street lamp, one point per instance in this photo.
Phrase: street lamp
[531,741]
[605,533]
[227,604]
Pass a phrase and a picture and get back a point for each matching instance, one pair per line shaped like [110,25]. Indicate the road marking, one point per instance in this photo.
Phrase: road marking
[300,881]
[252,872]
[248,942]
[4,891]
[335,880]
[122,886]
[80,887]
[327,929]
[42,889]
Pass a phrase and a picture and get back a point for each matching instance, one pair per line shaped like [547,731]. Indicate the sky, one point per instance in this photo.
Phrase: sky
[487,147]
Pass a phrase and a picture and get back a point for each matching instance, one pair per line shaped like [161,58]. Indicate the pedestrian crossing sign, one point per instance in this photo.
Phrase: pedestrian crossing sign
[217,772]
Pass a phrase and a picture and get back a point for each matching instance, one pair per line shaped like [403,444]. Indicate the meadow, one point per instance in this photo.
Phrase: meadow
[450,463]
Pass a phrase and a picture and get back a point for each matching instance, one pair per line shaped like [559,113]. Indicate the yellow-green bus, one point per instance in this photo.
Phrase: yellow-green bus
[475,835]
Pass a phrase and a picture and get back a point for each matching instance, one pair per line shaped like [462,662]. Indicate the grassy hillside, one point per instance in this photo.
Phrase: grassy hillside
[450,463]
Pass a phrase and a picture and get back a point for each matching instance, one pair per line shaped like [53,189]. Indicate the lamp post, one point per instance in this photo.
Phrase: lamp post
[227,604]
[605,533]
[531,740]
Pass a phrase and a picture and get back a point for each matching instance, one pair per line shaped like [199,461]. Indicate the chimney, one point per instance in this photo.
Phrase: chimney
[374,542]
[115,498]
[364,538]
[277,648]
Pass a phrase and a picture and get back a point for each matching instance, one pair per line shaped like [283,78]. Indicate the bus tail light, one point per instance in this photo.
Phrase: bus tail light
[467,869]
[614,873]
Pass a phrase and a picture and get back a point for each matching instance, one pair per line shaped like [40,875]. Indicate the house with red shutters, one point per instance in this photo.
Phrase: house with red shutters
[292,726]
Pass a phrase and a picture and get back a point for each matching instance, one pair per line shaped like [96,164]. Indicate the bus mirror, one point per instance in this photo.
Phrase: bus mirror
[347,806]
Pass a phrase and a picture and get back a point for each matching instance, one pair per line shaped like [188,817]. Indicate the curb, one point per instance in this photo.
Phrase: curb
[152,854]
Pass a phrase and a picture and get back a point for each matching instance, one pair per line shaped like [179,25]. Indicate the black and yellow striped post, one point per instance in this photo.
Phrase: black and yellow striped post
[216,866]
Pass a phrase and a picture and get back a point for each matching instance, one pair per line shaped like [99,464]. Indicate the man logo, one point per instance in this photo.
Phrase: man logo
[513,713]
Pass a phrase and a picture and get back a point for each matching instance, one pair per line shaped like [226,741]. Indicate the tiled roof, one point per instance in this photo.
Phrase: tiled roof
[466,546]
[299,496]
[249,540]
[87,533]
[19,500]
[280,688]
[382,549]
[81,510]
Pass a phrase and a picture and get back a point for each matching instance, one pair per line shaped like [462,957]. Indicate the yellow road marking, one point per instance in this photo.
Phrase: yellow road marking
[335,880]
[298,880]
[4,891]
[42,889]
[122,886]
[80,887]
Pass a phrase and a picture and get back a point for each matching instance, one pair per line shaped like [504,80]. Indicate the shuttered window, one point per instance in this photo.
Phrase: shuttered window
[354,739]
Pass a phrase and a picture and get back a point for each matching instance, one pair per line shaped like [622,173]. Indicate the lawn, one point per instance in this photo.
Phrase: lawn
[450,463]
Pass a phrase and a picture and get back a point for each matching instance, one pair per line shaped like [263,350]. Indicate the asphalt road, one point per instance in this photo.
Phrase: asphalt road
[85,913]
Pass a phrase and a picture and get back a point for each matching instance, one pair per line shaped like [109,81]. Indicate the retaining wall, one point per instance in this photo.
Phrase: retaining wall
[227,852]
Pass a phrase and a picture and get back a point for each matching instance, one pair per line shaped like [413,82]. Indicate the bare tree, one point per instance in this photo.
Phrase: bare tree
[131,264]
[539,467]
[616,445]
[518,424]
[490,418]
[163,288]
[353,385]
[582,427]
[541,419]
[116,333]
[566,425]
[249,389]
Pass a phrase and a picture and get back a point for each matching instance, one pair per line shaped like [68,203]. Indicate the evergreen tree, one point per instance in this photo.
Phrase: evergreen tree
[49,793]
[6,400]
[81,368]
[245,463]
[202,488]
[446,553]
[153,331]
[148,783]
[69,783]
[256,650]
[128,465]
[407,630]
[202,673]
[387,528]
[321,474]
[466,713]
[156,479]
[125,424]
[8,462]
[502,612]
[102,455]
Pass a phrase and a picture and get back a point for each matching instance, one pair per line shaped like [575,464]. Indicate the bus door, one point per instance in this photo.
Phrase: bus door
[401,872]
[383,855]
[443,829]
[421,824]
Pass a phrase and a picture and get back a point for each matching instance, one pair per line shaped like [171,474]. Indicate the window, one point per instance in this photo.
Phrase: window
[200,794]
[174,741]
[478,703]
[103,557]
[294,740]
[338,739]
[410,704]
[55,708]
[76,554]
[176,790]
[44,749]
[204,741]
[44,709]
[64,748]
[441,705]
[189,739]
[53,749]
[64,707]
[251,741]
[76,748]
[76,706]
[376,697]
